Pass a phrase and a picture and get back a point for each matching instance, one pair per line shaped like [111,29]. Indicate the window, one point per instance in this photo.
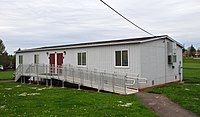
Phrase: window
[79,58]
[118,58]
[82,58]
[121,58]
[20,59]
[170,59]
[174,58]
[36,59]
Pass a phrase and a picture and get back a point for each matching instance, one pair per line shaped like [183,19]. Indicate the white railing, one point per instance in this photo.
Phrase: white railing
[101,80]
[18,72]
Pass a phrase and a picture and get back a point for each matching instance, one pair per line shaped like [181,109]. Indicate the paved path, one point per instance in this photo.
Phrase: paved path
[162,106]
[7,81]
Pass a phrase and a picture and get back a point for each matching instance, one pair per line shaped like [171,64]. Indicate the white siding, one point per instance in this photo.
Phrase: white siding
[100,58]
[146,60]
[154,63]
[172,74]
[28,58]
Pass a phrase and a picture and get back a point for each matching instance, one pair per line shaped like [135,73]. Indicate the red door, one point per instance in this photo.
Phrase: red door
[52,63]
[59,62]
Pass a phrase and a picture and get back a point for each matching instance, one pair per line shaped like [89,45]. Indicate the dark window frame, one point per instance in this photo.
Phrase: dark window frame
[20,59]
[82,58]
[36,59]
[121,58]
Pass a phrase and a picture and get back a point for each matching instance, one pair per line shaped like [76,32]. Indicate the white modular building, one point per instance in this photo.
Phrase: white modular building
[150,61]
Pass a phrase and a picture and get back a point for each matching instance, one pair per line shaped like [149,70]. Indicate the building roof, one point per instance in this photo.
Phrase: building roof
[101,43]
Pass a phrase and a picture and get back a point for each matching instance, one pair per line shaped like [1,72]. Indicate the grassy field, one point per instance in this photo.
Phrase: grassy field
[186,94]
[190,60]
[6,75]
[35,100]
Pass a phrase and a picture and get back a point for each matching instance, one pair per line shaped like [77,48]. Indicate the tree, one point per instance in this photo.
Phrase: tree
[198,52]
[2,47]
[5,59]
[191,50]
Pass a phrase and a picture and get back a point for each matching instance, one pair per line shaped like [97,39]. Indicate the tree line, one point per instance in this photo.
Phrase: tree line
[191,52]
[8,61]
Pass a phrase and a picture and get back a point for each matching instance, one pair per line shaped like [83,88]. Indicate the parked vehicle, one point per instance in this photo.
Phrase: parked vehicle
[10,67]
[1,67]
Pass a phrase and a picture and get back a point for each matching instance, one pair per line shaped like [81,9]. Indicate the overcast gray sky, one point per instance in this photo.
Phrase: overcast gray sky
[36,23]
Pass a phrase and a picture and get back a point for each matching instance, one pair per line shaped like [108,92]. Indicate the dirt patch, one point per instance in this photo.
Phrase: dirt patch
[162,106]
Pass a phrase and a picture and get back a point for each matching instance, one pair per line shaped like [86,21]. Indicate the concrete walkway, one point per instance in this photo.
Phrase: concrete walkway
[7,81]
[162,106]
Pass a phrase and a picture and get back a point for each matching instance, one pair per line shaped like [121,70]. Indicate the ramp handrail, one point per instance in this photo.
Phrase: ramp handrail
[18,72]
[81,76]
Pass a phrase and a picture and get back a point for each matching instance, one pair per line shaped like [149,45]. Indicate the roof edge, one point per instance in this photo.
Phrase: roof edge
[101,43]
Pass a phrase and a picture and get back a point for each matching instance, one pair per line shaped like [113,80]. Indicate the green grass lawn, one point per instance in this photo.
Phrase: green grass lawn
[190,60]
[6,75]
[186,94]
[191,72]
[18,99]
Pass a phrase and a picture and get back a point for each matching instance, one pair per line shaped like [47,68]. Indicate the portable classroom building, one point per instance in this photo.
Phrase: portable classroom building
[158,59]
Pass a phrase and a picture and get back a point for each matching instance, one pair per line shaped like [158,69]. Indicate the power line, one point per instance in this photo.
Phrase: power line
[126,18]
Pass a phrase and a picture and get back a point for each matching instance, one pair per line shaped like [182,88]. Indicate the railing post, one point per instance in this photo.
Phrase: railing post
[137,81]
[22,70]
[51,75]
[73,74]
[91,78]
[21,74]
[103,79]
[87,74]
[79,86]
[46,76]
[63,84]
[66,73]
[125,77]
[83,74]
[79,75]
[113,82]
[37,75]
[95,77]
[34,74]
[43,68]
[99,84]
[30,74]
[63,74]
[58,71]
[63,80]
[51,82]
[23,79]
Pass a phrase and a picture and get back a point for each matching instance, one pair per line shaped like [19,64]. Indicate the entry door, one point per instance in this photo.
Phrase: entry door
[52,63]
[59,62]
